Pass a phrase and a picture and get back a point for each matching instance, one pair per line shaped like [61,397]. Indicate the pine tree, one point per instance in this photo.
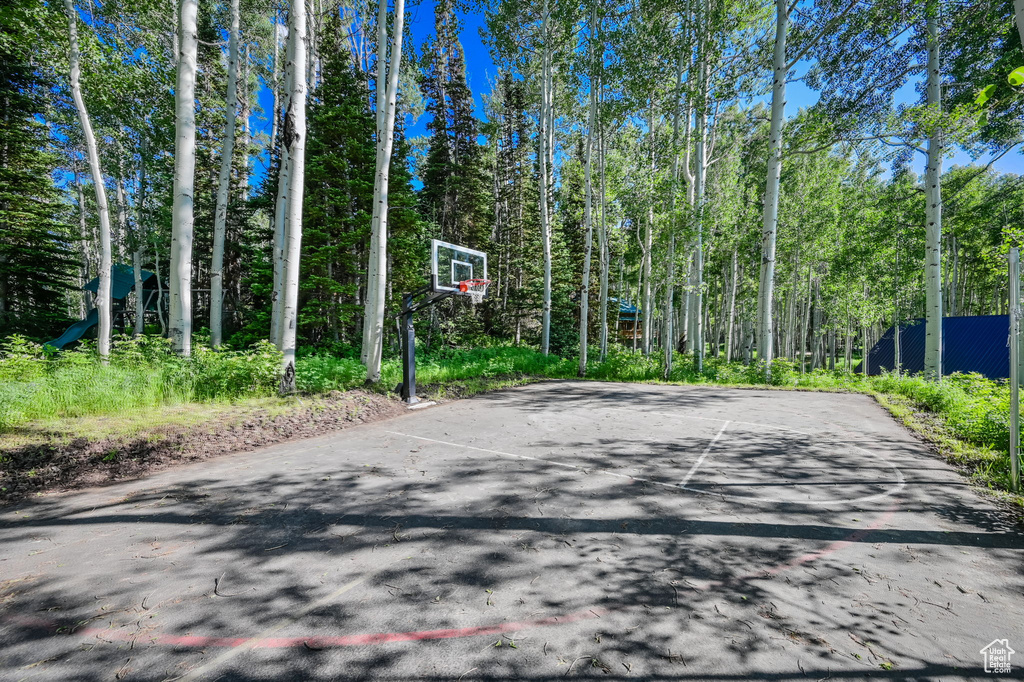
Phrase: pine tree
[514,268]
[37,265]
[339,188]
[455,186]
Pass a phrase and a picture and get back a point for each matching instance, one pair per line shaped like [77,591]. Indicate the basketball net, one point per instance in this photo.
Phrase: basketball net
[476,289]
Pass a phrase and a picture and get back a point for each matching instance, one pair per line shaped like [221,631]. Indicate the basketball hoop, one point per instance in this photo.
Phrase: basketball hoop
[475,288]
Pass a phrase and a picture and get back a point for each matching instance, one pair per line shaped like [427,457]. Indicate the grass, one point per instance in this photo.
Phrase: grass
[150,423]
[146,386]
[142,374]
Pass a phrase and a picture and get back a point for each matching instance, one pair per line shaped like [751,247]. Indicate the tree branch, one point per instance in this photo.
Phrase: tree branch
[877,138]
[824,29]
[982,170]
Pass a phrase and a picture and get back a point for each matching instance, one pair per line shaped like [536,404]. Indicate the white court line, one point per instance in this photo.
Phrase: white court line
[703,455]
[900,481]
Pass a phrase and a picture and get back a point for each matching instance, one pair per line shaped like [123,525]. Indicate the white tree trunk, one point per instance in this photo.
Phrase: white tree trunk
[373,269]
[648,303]
[103,301]
[604,253]
[770,223]
[280,206]
[133,240]
[180,322]
[275,98]
[224,184]
[669,343]
[684,315]
[953,300]
[731,310]
[933,209]
[804,340]
[83,232]
[691,194]
[295,139]
[698,251]
[140,295]
[387,93]
[159,291]
[245,113]
[588,211]
[140,240]
[122,220]
[545,219]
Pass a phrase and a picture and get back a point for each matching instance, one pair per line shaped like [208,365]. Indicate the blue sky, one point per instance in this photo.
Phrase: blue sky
[479,67]
[480,70]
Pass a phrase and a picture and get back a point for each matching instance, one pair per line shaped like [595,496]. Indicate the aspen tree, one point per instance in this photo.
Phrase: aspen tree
[224,185]
[670,335]
[648,243]
[103,300]
[281,203]
[180,317]
[933,206]
[770,218]
[589,200]
[543,139]
[294,138]
[605,251]
[387,93]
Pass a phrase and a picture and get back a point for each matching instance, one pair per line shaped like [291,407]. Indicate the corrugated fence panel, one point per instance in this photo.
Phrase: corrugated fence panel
[969,344]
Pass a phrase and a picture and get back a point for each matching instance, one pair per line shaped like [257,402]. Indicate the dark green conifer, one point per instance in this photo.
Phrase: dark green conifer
[37,265]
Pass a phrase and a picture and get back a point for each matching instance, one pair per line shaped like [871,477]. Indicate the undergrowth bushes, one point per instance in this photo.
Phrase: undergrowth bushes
[143,372]
[37,383]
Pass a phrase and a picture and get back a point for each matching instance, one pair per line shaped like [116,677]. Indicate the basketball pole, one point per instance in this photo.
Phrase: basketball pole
[1015,315]
[407,334]
[408,352]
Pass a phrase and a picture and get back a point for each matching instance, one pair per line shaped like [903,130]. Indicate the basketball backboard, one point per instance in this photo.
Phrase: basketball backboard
[451,264]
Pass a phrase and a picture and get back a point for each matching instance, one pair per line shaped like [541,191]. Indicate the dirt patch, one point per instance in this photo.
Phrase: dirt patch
[59,464]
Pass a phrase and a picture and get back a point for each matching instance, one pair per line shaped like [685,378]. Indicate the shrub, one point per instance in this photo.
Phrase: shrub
[141,372]
[323,373]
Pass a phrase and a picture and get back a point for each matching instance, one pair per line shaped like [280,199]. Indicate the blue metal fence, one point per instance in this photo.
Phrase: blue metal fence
[969,344]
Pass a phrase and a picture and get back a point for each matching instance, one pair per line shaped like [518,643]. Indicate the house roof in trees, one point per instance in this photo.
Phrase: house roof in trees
[969,344]
[626,309]
[122,281]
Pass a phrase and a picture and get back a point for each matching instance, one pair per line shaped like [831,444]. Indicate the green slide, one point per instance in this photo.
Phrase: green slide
[75,331]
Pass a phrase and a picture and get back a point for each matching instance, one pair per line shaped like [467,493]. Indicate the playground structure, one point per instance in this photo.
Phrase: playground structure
[122,283]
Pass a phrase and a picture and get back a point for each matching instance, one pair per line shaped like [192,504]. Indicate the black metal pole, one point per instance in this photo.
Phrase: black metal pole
[408,352]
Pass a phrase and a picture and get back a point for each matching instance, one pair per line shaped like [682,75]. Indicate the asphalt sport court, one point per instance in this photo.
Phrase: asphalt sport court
[562,529]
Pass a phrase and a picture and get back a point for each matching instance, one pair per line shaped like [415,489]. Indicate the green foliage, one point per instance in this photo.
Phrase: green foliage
[340,166]
[975,409]
[37,266]
[143,372]
[324,373]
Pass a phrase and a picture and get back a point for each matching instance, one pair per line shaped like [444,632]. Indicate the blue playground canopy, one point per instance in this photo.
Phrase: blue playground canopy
[969,344]
[122,281]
